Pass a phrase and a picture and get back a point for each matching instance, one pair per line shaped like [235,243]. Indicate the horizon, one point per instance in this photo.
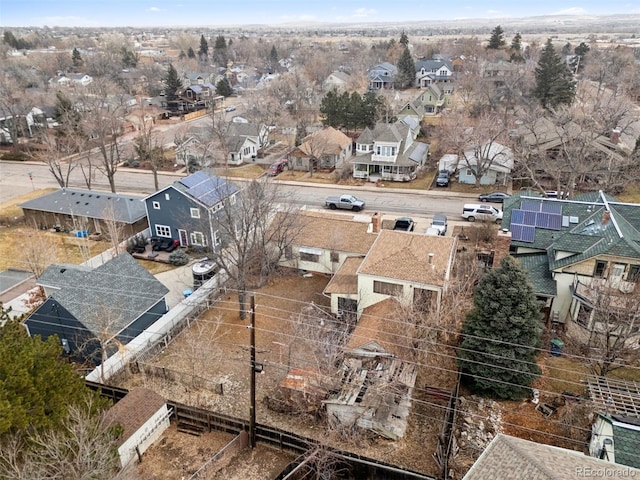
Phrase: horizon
[282,13]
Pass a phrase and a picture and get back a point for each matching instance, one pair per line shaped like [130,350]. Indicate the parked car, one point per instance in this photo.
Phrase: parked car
[277,167]
[495,197]
[473,212]
[439,222]
[345,202]
[404,224]
[163,244]
[230,108]
[443,178]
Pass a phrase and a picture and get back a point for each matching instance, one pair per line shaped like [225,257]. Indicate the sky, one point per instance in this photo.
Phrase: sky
[149,13]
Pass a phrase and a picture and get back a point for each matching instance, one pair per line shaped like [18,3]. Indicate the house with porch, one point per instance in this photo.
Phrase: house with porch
[89,211]
[324,149]
[188,210]
[382,76]
[389,152]
[415,269]
[337,80]
[583,257]
[95,312]
[430,72]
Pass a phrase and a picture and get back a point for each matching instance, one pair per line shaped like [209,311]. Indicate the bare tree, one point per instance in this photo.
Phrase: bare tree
[146,145]
[15,105]
[115,228]
[254,232]
[57,152]
[82,448]
[39,251]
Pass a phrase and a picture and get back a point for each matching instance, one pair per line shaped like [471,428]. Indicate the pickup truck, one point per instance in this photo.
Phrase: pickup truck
[404,224]
[345,202]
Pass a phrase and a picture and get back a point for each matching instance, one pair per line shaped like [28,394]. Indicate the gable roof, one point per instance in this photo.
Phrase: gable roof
[90,203]
[433,65]
[328,140]
[593,224]
[405,256]
[337,232]
[345,280]
[204,188]
[374,328]
[519,459]
[243,129]
[133,411]
[501,157]
[121,287]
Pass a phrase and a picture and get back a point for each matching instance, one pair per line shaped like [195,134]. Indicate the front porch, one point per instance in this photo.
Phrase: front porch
[393,173]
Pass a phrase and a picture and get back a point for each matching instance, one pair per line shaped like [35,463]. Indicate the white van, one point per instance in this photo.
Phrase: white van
[473,212]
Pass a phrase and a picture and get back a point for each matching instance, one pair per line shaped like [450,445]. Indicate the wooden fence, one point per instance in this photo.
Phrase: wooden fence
[184,378]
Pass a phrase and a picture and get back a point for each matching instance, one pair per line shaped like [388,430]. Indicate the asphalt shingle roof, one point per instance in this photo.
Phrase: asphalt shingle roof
[90,203]
[626,440]
[121,289]
[133,411]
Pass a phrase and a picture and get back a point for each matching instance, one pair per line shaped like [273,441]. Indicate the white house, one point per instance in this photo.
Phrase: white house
[494,159]
[338,80]
[143,416]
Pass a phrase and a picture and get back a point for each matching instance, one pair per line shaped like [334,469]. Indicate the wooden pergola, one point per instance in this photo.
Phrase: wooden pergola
[615,396]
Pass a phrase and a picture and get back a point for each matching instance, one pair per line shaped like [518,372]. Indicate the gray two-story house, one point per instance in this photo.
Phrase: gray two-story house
[185,210]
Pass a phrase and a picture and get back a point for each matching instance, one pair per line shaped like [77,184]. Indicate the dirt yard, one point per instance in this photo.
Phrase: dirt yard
[215,350]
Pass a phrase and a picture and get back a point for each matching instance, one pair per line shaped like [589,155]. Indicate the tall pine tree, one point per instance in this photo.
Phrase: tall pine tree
[76,58]
[191,53]
[501,334]
[516,49]
[203,51]
[497,39]
[273,58]
[172,82]
[220,56]
[554,84]
[406,70]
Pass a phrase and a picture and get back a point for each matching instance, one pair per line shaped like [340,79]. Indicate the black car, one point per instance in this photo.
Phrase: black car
[495,197]
[163,244]
[443,179]
[404,224]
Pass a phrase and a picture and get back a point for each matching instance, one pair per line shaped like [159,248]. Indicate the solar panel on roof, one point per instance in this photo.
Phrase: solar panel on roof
[529,218]
[549,221]
[194,179]
[555,222]
[531,205]
[552,207]
[517,216]
[523,233]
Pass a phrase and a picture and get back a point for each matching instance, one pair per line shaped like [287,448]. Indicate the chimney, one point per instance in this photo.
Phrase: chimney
[606,216]
[431,259]
[614,136]
[375,221]
[501,248]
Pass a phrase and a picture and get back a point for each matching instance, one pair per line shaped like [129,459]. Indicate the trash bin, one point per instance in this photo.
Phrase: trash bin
[556,347]
[187,292]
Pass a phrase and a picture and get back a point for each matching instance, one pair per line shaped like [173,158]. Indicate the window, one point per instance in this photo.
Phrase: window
[216,238]
[195,212]
[198,238]
[167,197]
[309,257]
[163,231]
[584,315]
[334,257]
[634,273]
[599,269]
[156,205]
[386,288]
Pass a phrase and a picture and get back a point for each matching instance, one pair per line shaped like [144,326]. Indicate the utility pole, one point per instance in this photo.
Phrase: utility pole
[252,393]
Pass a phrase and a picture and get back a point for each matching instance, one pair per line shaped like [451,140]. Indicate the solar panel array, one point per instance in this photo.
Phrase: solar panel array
[534,214]
[194,179]
[523,233]
[208,190]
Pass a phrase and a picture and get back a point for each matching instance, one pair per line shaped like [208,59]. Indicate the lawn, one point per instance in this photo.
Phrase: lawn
[248,172]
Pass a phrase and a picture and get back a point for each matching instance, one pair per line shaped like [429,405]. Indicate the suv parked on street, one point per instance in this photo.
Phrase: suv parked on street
[473,212]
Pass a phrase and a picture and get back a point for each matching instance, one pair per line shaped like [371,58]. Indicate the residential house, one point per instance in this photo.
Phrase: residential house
[429,72]
[241,149]
[494,158]
[382,76]
[143,416]
[616,438]
[519,459]
[81,79]
[94,312]
[388,152]
[197,78]
[434,99]
[89,211]
[197,97]
[448,162]
[324,242]
[579,253]
[497,73]
[259,134]
[187,209]
[337,80]
[377,382]
[327,148]
[414,109]
[134,81]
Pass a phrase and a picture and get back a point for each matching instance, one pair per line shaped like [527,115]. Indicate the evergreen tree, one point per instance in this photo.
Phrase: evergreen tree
[182,55]
[497,39]
[554,85]
[516,49]
[76,59]
[330,109]
[66,115]
[203,52]
[404,40]
[273,58]
[223,88]
[36,385]
[129,58]
[582,49]
[220,51]
[501,334]
[406,70]
[566,50]
[172,82]
[191,53]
